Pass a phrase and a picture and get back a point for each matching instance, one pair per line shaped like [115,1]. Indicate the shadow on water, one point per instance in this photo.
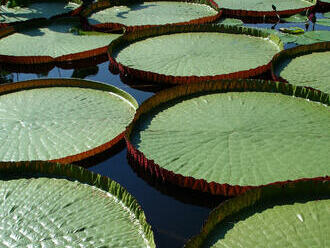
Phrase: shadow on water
[144,85]
[5,77]
[103,156]
[184,195]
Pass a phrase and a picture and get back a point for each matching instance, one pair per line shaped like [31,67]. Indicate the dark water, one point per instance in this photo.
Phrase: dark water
[174,219]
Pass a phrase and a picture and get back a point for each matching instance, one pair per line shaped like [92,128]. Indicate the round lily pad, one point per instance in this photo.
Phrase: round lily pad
[306,38]
[324,21]
[67,206]
[61,119]
[149,13]
[35,10]
[293,215]
[231,21]
[57,41]
[225,142]
[305,66]
[262,9]
[256,5]
[296,18]
[194,53]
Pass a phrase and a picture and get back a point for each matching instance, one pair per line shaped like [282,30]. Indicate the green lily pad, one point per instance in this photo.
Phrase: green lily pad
[292,215]
[231,21]
[307,70]
[324,22]
[265,5]
[60,121]
[296,18]
[302,39]
[327,15]
[313,37]
[235,138]
[54,40]
[70,210]
[292,30]
[152,13]
[197,54]
[35,10]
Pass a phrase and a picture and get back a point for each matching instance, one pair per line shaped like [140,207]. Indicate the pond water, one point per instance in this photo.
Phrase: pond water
[174,216]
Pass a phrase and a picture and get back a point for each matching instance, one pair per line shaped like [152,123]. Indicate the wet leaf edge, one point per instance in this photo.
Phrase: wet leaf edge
[314,189]
[129,38]
[296,52]
[72,172]
[137,159]
[67,82]
[104,4]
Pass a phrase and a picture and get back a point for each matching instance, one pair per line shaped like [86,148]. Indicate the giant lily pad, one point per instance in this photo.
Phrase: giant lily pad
[324,21]
[305,66]
[306,38]
[193,53]
[296,18]
[293,215]
[257,5]
[149,13]
[231,21]
[257,8]
[35,10]
[61,119]
[194,135]
[54,42]
[51,205]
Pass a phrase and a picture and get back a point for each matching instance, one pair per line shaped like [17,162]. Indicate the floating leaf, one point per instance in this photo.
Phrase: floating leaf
[54,40]
[67,121]
[231,21]
[324,22]
[308,69]
[67,206]
[197,51]
[296,18]
[236,138]
[35,10]
[257,5]
[291,215]
[292,30]
[152,13]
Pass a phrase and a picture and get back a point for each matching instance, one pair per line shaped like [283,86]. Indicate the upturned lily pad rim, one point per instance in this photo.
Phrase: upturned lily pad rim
[129,38]
[33,60]
[314,189]
[79,83]
[72,172]
[104,4]
[138,159]
[237,13]
[72,13]
[296,52]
